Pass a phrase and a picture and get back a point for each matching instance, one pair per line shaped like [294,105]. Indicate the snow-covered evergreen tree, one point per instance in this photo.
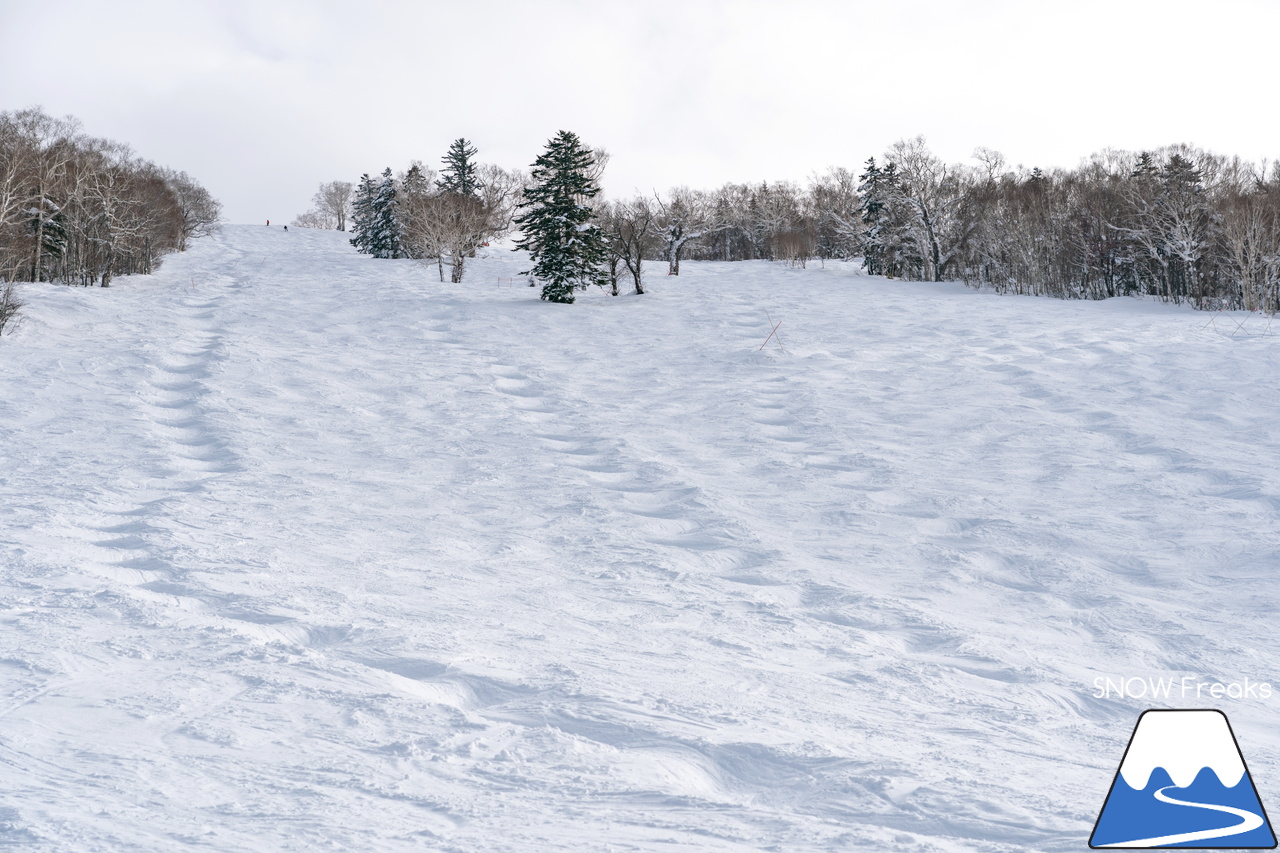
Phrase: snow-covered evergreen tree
[47,224]
[901,252]
[362,215]
[871,205]
[1146,167]
[374,217]
[459,174]
[557,225]
[384,233]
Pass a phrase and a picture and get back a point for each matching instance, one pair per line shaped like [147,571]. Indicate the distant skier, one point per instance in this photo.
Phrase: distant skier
[268,223]
[286,228]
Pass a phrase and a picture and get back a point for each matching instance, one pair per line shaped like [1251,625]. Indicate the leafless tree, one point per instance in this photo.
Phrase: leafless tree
[1249,222]
[500,191]
[10,307]
[607,217]
[449,224]
[330,207]
[438,224]
[832,205]
[422,238]
[199,212]
[599,160]
[633,231]
[334,200]
[683,219]
[313,219]
[794,247]
[83,210]
[934,196]
[15,169]
[39,150]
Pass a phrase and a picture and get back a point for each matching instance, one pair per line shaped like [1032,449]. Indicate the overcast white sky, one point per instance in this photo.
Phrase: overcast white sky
[261,101]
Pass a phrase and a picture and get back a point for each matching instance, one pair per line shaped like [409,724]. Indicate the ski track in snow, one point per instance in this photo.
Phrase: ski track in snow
[304,550]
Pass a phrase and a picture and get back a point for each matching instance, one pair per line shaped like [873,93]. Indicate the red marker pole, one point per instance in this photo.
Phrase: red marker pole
[766,340]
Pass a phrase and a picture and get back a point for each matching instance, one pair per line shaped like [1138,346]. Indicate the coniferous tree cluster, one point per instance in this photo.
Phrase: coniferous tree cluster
[375,220]
[874,186]
[80,210]
[428,218]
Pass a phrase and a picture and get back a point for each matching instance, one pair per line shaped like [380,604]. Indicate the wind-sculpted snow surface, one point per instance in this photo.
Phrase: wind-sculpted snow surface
[307,551]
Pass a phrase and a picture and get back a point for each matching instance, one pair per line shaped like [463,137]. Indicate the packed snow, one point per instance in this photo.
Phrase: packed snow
[304,550]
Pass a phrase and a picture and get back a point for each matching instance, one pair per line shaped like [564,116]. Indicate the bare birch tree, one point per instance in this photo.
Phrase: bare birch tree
[82,210]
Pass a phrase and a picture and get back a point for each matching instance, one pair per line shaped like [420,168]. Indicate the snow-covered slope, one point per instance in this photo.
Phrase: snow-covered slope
[307,551]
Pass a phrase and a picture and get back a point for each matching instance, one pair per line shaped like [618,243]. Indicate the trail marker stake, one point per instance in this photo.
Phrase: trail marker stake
[772,333]
[1240,325]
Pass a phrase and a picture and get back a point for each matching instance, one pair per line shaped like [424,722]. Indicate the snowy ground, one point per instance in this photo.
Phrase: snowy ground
[302,550]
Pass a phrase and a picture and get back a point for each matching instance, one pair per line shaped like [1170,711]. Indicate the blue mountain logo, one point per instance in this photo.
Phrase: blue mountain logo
[1183,783]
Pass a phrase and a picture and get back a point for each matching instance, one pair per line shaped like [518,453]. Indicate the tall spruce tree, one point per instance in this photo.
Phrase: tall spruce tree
[1146,167]
[871,205]
[385,231]
[896,251]
[362,215]
[416,184]
[557,225]
[47,223]
[459,173]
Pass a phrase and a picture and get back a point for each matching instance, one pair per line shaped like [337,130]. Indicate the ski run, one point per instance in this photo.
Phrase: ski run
[304,551]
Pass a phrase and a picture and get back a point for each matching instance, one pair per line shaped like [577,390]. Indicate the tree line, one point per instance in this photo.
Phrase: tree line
[1177,224]
[81,210]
